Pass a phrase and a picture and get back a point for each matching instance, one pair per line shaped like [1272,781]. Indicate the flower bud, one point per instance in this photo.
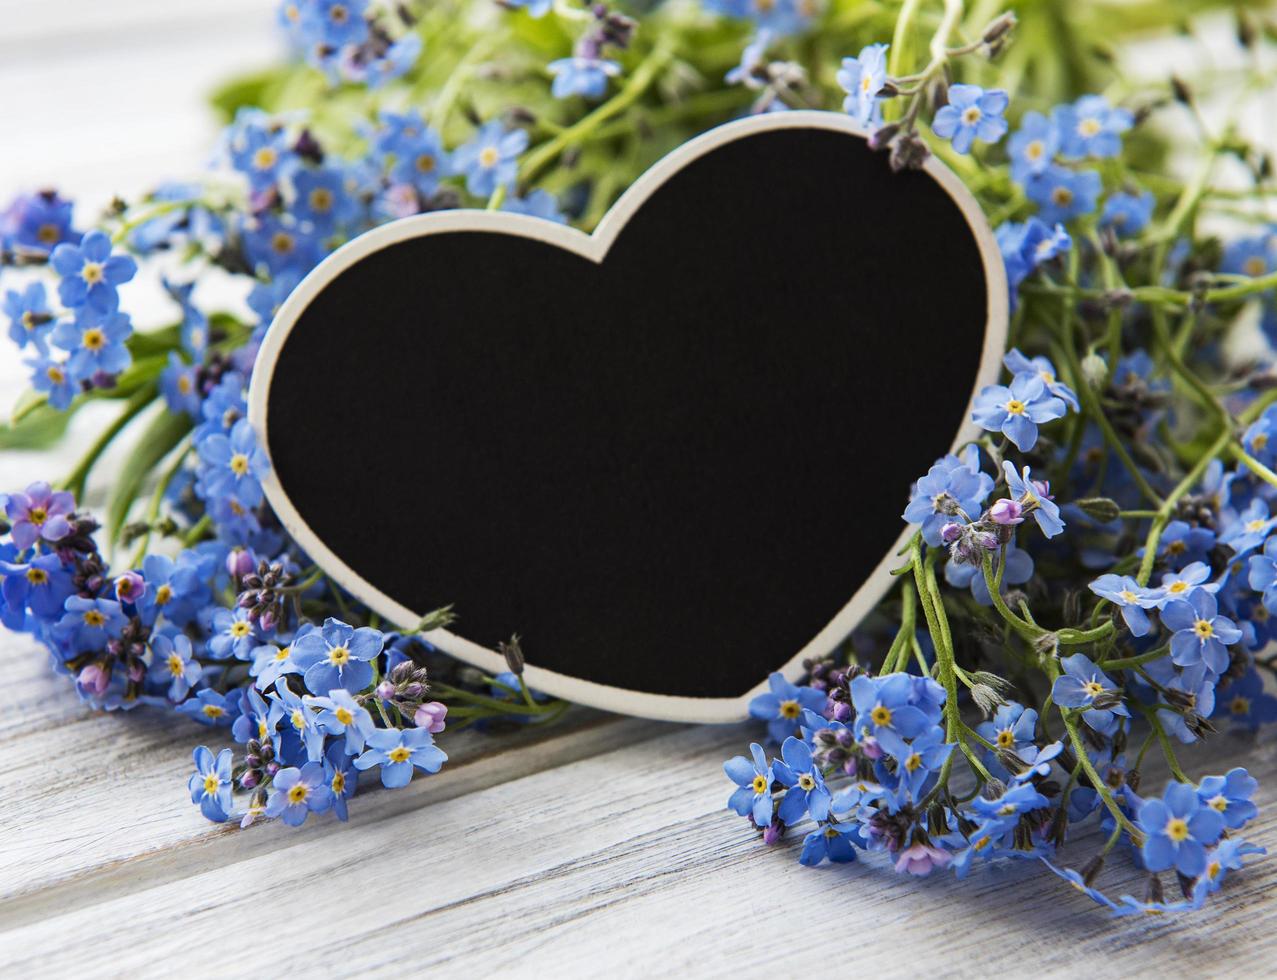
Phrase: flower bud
[1094,370]
[239,562]
[431,716]
[130,587]
[950,532]
[386,691]
[94,679]
[1006,511]
[1101,509]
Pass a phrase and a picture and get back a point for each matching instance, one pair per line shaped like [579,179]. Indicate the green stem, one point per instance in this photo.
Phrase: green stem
[1097,782]
[132,408]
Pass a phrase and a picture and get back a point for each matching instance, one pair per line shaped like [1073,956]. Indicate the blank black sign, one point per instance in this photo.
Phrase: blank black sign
[667,471]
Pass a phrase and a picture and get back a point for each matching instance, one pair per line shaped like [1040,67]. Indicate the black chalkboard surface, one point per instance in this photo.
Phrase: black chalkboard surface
[671,455]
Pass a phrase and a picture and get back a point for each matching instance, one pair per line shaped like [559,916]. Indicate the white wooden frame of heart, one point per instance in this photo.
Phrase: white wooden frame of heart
[595,248]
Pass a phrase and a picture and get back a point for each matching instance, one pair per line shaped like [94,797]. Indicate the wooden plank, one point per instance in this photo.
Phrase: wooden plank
[624,862]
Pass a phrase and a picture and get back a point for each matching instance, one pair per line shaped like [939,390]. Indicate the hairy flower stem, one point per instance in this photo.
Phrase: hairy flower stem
[1097,781]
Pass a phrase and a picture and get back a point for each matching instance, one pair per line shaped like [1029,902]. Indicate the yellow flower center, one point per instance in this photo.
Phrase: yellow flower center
[211,784]
[1256,525]
[1240,706]
[1213,869]
[213,711]
[37,515]
[790,709]
[92,273]
[55,374]
[176,666]
[297,793]
[1034,150]
[425,163]
[163,595]
[1015,407]
[1175,588]
[760,784]
[265,158]
[321,199]
[1006,738]
[1177,829]
[48,234]
[339,783]
[37,576]
[240,628]
[339,14]
[1128,596]
[1176,548]
[239,464]
[1260,442]
[866,83]
[344,715]
[339,656]
[1219,803]
[282,654]
[971,115]
[913,762]
[1089,126]
[93,339]
[1203,629]
[1061,196]
[298,718]
[282,242]
[806,783]
[1093,688]
[488,156]
[1254,266]
[399,754]
[881,715]
[93,618]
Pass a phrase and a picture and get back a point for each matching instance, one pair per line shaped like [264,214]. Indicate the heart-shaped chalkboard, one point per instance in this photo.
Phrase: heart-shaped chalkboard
[671,455]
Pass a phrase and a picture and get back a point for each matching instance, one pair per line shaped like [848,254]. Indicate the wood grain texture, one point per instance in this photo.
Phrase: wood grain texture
[600,846]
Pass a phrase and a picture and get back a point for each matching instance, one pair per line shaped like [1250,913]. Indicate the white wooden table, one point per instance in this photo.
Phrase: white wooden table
[599,846]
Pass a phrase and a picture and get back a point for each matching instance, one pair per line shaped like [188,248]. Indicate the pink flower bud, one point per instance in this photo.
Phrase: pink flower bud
[871,748]
[431,716]
[950,532]
[130,587]
[1006,511]
[386,691]
[94,679]
[239,562]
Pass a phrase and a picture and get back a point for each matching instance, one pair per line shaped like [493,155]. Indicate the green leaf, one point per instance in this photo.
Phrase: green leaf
[247,90]
[40,428]
[162,435]
[152,343]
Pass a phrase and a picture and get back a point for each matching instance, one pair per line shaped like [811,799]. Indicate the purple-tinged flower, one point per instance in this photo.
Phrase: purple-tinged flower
[805,790]
[39,514]
[919,859]
[972,113]
[90,273]
[1024,488]
[129,587]
[754,785]
[1018,409]
[1131,597]
[398,752]
[1006,511]
[337,656]
[1177,829]
[296,793]
[210,784]
[1199,632]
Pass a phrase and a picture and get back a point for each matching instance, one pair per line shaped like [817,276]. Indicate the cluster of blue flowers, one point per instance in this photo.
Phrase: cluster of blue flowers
[350,42]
